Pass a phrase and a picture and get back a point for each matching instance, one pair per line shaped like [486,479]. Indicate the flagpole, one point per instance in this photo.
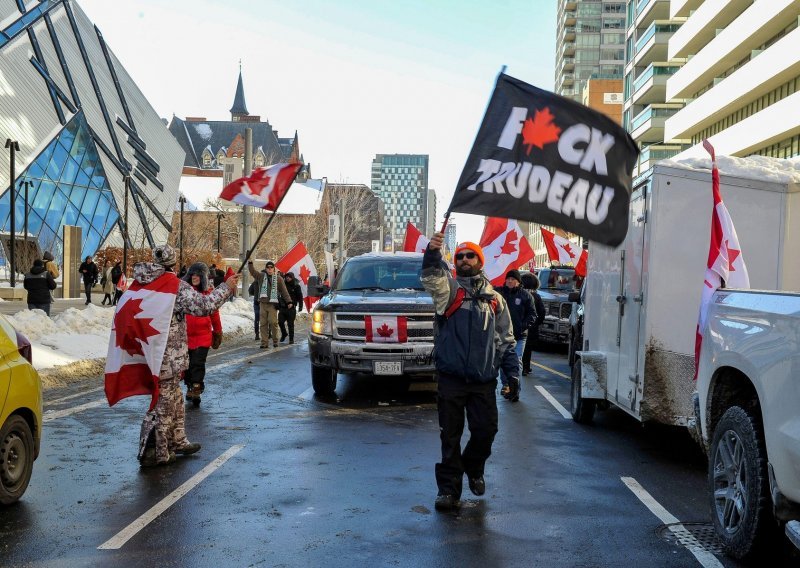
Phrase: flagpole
[266,226]
[447,213]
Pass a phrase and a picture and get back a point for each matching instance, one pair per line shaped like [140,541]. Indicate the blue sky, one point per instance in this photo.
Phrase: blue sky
[355,78]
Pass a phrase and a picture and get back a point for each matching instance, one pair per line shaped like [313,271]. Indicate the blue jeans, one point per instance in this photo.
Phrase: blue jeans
[257,309]
[519,346]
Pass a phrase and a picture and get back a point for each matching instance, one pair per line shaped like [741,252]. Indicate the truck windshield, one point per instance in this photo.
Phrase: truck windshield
[560,279]
[380,274]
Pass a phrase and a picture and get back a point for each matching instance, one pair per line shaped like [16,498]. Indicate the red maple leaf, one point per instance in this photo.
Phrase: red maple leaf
[258,181]
[385,331]
[540,130]
[508,246]
[733,254]
[304,274]
[131,330]
[568,249]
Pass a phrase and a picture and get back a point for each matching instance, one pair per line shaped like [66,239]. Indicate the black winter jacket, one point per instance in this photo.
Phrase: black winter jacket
[520,306]
[297,296]
[90,274]
[38,282]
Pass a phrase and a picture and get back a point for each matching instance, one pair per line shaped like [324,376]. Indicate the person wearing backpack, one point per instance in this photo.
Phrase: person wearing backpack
[473,322]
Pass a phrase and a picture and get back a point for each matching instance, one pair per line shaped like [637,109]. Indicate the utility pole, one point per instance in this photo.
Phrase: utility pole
[246,215]
[182,201]
[220,216]
[13,147]
[342,250]
[26,184]
[127,179]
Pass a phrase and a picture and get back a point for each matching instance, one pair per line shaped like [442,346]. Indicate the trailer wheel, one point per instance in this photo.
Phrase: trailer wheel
[582,409]
[323,379]
[739,484]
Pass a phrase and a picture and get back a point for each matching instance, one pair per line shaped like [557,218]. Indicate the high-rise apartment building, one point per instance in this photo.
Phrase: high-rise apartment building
[401,181]
[648,67]
[590,43]
[741,79]
[450,238]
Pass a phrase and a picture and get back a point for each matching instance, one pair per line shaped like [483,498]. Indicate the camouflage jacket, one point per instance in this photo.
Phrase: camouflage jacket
[188,301]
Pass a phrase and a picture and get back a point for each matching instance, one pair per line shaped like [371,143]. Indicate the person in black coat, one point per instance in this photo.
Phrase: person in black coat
[521,310]
[531,284]
[286,315]
[88,270]
[116,276]
[39,283]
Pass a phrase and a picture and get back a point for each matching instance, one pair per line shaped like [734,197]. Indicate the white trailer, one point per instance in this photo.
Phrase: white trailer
[642,298]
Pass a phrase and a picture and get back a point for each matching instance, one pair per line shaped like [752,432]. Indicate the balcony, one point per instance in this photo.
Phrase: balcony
[566,80]
[568,33]
[568,50]
[568,19]
[655,153]
[567,64]
[682,8]
[653,44]
[570,5]
[651,85]
[648,125]
[649,10]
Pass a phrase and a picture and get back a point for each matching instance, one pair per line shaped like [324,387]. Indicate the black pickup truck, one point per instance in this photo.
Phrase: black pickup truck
[376,319]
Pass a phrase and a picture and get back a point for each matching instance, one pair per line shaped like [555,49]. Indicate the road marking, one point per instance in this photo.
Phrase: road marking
[687,539]
[307,394]
[77,395]
[564,412]
[53,414]
[123,536]
[548,369]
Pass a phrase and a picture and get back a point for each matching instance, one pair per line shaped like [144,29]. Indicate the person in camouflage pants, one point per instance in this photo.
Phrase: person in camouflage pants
[163,433]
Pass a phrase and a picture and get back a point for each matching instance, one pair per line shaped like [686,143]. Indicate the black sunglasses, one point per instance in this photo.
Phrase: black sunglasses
[467,255]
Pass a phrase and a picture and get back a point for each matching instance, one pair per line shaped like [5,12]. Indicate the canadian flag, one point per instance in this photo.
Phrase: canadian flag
[386,329]
[580,268]
[264,188]
[122,284]
[560,249]
[139,338]
[504,248]
[298,262]
[725,261]
[414,241]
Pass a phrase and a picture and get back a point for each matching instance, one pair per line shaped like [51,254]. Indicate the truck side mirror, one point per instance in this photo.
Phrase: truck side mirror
[573,296]
[316,288]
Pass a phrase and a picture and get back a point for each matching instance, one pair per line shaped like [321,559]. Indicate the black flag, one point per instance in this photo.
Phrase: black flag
[543,158]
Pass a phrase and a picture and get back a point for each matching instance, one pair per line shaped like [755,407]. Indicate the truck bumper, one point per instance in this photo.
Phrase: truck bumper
[553,331]
[358,357]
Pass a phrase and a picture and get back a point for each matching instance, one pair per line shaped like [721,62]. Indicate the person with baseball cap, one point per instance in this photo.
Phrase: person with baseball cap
[474,338]
[271,290]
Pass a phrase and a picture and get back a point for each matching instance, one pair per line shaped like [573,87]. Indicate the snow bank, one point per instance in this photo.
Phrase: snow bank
[79,337]
[753,167]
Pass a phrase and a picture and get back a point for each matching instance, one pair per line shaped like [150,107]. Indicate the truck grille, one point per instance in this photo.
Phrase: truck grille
[351,326]
[561,310]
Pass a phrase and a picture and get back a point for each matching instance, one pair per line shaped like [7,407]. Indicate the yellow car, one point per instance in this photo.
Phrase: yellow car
[20,413]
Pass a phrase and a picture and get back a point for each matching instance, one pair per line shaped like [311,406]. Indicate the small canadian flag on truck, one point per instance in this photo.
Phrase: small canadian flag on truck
[386,329]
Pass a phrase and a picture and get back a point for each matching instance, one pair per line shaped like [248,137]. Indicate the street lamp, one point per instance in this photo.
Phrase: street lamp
[26,184]
[13,147]
[220,216]
[182,201]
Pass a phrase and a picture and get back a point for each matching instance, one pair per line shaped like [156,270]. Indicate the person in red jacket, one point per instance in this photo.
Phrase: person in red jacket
[202,332]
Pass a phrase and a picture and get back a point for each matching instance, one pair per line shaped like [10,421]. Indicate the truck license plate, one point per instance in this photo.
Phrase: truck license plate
[387,367]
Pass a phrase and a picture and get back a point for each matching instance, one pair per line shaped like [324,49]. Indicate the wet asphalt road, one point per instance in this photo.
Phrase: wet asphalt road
[347,481]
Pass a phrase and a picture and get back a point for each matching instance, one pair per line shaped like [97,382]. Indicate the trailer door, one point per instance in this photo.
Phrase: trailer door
[629,299]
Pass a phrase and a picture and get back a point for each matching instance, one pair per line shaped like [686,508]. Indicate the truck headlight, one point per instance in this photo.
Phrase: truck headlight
[321,324]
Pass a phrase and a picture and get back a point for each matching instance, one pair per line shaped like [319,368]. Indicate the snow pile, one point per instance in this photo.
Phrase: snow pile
[753,167]
[204,131]
[237,316]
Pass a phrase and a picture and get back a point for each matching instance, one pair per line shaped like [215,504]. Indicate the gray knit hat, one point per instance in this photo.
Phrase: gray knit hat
[164,255]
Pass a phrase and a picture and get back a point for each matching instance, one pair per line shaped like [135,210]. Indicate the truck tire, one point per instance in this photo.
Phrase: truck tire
[582,409]
[323,379]
[739,484]
[16,458]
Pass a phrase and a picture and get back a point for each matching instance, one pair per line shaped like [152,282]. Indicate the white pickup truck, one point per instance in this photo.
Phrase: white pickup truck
[748,412]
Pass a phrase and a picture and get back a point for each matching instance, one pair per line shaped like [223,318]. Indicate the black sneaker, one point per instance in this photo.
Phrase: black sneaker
[477,485]
[282,339]
[526,372]
[513,382]
[446,502]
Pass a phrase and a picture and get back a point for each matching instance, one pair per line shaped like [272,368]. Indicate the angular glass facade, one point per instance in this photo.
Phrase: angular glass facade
[69,187]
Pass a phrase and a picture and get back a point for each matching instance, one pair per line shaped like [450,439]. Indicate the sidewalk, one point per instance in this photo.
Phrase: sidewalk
[11,307]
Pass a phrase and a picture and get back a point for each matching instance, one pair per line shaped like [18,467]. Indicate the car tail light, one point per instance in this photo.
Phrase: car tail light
[24,347]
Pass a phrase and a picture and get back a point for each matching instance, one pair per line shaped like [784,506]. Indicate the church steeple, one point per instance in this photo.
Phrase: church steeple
[239,108]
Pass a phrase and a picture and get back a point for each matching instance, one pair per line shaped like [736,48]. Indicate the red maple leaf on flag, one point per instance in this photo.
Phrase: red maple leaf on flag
[540,130]
[385,331]
[568,249]
[258,188]
[130,330]
[304,274]
[509,246]
[733,254]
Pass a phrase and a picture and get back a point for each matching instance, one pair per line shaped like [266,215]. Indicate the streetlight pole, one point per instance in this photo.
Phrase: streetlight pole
[181,200]
[26,184]
[13,147]
[127,180]
[219,232]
